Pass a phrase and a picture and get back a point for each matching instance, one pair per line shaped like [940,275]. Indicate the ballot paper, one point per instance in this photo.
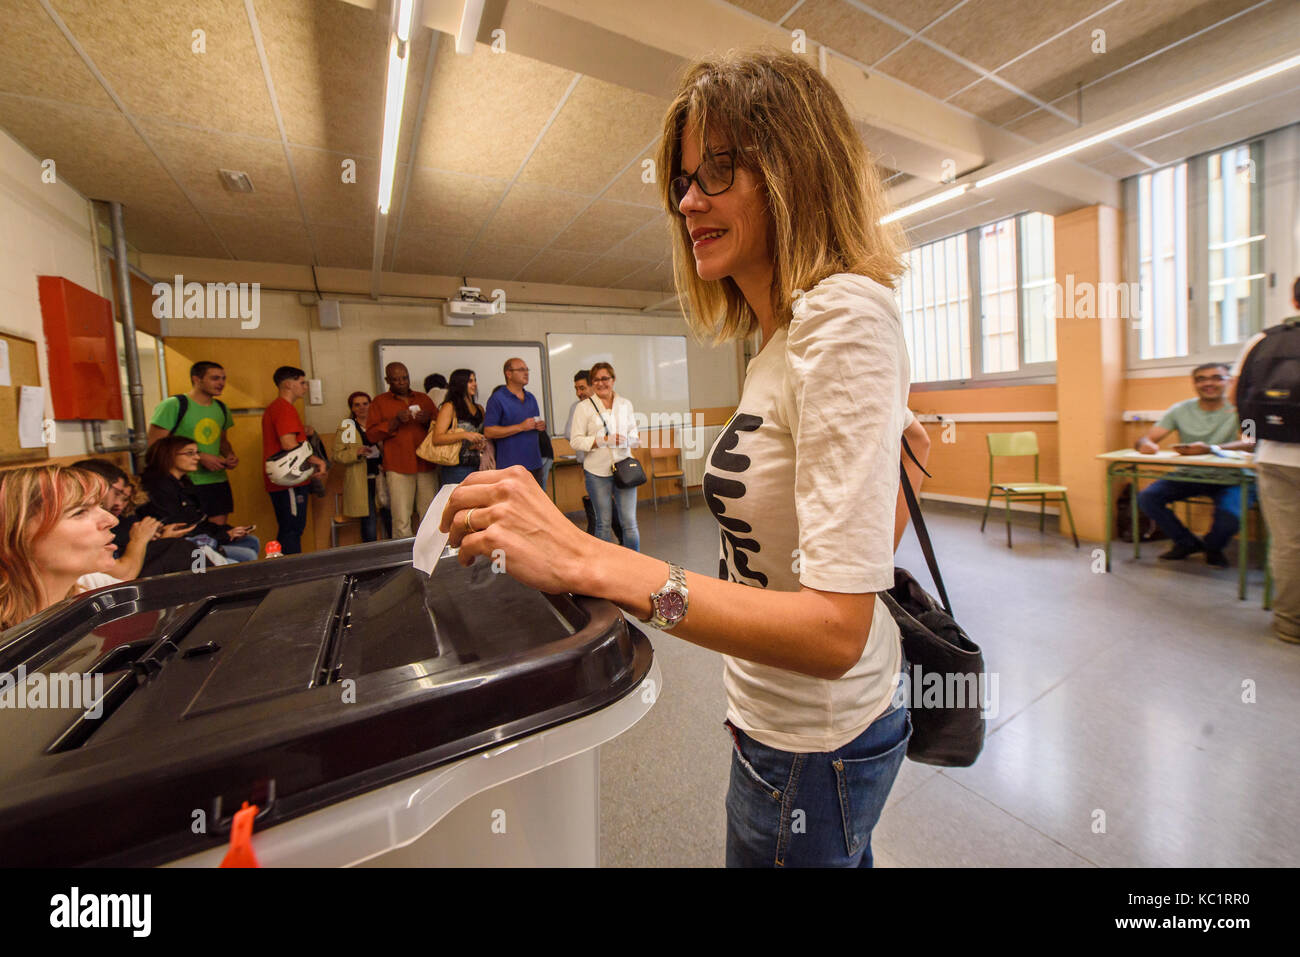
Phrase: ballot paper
[429,542]
[4,363]
[31,417]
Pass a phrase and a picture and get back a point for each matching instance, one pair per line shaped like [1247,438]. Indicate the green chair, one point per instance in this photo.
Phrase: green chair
[1007,444]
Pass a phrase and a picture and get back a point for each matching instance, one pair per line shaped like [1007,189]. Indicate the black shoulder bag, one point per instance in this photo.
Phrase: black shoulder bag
[939,656]
[628,472]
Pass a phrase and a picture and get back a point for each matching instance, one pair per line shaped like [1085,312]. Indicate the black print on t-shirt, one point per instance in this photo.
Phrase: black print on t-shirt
[716,488]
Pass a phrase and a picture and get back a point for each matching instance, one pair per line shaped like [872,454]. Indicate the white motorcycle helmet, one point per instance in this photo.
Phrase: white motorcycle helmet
[290,467]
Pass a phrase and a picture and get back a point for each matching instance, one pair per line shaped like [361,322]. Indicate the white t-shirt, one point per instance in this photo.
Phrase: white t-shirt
[95,580]
[809,462]
[1266,452]
[590,421]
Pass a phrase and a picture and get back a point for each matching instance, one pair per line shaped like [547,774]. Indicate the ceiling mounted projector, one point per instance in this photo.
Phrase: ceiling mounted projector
[469,303]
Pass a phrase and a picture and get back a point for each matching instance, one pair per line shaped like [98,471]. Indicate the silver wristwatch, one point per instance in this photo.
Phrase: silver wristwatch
[668,604]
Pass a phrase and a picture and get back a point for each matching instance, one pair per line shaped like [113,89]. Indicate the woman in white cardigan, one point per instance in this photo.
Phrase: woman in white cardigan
[605,428]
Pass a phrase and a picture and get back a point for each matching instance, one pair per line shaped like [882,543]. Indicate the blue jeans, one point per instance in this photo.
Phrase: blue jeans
[455,474]
[368,533]
[1154,500]
[242,549]
[289,534]
[812,810]
[602,491]
[540,473]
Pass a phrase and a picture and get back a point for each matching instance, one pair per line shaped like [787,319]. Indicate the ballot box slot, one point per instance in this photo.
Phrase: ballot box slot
[328,668]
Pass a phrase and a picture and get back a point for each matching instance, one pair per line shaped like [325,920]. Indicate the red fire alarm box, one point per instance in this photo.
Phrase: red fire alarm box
[82,352]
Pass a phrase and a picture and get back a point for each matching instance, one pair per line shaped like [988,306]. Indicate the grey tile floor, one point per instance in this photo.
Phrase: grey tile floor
[1145,718]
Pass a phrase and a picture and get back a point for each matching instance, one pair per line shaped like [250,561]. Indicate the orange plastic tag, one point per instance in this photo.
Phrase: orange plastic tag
[241,839]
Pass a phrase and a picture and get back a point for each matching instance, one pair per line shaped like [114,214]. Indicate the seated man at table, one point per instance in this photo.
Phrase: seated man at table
[1208,420]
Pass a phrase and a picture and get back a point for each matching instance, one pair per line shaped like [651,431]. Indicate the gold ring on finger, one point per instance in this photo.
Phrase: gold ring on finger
[468,526]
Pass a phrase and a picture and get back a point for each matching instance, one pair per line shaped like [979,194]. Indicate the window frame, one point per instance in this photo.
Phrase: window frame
[1033,373]
[1268,147]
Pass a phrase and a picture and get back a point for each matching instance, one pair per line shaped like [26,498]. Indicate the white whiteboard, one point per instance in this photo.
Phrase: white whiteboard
[424,357]
[650,370]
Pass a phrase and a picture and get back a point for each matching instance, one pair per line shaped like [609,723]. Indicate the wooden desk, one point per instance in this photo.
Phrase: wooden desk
[1134,465]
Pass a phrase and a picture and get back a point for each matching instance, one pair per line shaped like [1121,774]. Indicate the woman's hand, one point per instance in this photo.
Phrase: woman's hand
[541,547]
[145,530]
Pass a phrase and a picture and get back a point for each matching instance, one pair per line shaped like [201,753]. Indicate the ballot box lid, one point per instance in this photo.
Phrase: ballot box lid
[138,718]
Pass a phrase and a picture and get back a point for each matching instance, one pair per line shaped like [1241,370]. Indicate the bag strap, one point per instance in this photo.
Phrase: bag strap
[918,523]
[182,406]
[601,414]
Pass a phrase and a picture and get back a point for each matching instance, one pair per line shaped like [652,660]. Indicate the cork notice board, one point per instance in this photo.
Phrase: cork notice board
[23,370]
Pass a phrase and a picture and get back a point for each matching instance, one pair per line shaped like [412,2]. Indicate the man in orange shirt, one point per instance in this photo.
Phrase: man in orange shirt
[399,418]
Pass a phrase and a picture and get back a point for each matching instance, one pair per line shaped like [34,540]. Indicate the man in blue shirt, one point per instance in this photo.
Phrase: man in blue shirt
[513,420]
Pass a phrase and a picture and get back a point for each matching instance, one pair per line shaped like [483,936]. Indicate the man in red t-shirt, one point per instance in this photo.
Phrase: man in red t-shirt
[399,418]
[282,429]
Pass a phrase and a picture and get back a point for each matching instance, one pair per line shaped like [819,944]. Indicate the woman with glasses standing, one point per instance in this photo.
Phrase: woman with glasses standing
[776,210]
[165,479]
[460,421]
[605,428]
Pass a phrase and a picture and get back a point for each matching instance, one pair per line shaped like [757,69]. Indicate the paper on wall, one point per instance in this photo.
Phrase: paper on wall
[4,363]
[429,542]
[31,415]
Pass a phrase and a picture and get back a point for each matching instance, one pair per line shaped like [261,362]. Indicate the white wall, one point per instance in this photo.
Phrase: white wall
[45,230]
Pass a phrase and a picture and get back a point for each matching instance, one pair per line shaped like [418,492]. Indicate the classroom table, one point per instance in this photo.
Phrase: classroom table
[1134,465]
[560,460]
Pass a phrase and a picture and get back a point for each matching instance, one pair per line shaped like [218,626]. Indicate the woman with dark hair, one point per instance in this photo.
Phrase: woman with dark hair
[165,480]
[460,420]
[145,546]
[361,461]
[775,208]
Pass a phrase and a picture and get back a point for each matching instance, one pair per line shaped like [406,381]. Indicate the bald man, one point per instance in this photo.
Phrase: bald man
[512,421]
[399,418]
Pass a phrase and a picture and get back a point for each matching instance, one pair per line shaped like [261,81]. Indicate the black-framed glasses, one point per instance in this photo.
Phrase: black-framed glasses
[716,174]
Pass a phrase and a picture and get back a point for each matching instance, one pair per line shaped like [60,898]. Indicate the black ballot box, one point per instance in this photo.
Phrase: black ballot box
[141,716]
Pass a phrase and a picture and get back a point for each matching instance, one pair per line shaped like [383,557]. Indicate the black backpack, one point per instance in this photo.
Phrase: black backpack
[1268,389]
[183,406]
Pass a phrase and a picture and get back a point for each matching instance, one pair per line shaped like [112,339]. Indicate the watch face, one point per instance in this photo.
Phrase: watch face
[671,606]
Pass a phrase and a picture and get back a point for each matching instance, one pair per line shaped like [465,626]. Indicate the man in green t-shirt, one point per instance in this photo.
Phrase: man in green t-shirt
[202,416]
[1208,420]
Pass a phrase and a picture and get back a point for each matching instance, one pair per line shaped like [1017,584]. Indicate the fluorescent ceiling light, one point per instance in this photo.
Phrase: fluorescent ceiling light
[926,203]
[1155,116]
[404,10]
[1108,134]
[470,19]
[397,63]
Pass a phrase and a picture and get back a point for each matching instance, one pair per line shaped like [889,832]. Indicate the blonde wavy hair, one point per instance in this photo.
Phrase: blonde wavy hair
[786,124]
[32,501]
